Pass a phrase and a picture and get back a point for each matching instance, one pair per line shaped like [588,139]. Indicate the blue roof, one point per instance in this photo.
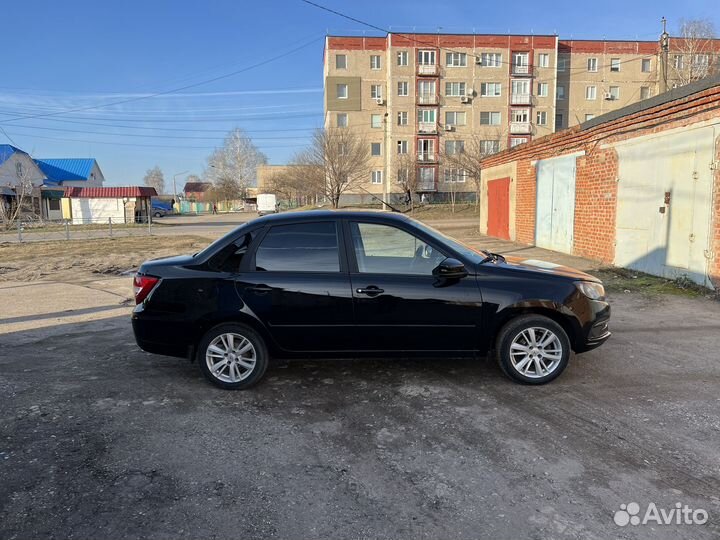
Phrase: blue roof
[59,170]
[7,150]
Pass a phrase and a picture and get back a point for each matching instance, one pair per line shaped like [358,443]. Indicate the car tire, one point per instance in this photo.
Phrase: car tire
[532,349]
[232,356]
[157,214]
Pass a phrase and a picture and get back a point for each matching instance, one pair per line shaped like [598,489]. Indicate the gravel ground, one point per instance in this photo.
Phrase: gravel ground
[98,439]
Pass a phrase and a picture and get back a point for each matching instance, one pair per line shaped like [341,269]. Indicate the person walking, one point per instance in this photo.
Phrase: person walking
[214,208]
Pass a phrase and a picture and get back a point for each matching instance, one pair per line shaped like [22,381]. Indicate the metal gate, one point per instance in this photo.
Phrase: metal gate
[498,224]
[555,211]
[665,204]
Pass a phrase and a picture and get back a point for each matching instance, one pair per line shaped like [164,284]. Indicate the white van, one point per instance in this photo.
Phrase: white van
[266,204]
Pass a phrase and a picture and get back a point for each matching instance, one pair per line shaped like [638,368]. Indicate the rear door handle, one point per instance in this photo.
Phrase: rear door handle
[370,290]
[260,289]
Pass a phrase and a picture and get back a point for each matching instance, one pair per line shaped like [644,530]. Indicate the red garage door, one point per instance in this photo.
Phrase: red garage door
[499,208]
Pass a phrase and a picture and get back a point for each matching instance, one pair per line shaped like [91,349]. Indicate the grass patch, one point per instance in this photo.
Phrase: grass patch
[624,280]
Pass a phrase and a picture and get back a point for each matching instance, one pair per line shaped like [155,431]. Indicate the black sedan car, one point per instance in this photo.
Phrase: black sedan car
[337,284]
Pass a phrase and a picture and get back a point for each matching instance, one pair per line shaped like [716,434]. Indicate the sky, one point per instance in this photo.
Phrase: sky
[167,80]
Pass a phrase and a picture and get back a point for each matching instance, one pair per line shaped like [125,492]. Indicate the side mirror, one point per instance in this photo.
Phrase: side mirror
[450,269]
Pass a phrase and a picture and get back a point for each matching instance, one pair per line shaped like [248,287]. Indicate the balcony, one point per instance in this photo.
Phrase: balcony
[427,127]
[427,69]
[426,184]
[427,99]
[520,99]
[427,157]
[520,128]
[522,70]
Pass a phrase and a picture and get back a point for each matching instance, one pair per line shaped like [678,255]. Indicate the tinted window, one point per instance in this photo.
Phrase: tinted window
[388,250]
[230,257]
[305,247]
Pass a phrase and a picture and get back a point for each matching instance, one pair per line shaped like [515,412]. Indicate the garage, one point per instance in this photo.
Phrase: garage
[555,210]
[499,208]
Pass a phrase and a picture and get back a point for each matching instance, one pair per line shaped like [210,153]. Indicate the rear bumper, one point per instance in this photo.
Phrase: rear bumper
[153,337]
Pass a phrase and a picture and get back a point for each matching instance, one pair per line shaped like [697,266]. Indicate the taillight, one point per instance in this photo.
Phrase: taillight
[143,285]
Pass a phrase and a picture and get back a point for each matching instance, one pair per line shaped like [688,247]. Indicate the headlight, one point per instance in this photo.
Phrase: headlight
[591,289]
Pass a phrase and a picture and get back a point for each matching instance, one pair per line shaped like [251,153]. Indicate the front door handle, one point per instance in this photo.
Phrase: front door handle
[370,290]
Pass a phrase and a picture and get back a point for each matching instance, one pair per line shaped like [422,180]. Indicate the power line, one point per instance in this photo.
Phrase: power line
[178,89]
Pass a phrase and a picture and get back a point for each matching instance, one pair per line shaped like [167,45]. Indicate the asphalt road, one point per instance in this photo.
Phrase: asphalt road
[101,440]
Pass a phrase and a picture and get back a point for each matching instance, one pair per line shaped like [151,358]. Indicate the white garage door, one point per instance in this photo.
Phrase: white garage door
[664,204]
[555,211]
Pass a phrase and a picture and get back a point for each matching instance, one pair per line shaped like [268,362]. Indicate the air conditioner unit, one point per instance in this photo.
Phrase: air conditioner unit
[380,101]
[464,99]
[608,96]
[478,60]
[449,128]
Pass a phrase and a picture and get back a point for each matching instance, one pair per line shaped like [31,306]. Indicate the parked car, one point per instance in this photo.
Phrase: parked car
[333,283]
[161,209]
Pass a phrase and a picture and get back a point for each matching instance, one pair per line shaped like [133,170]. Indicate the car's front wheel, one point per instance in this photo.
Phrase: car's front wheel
[532,349]
[232,356]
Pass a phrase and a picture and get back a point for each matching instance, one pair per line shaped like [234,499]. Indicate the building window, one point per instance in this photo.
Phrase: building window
[340,61]
[701,60]
[376,177]
[342,120]
[375,149]
[520,62]
[402,58]
[427,116]
[402,118]
[454,89]
[542,118]
[644,92]
[591,92]
[454,118]
[558,120]
[426,58]
[542,89]
[403,88]
[543,60]
[514,141]
[490,89]
[562,63]
[375,121]
[592,64]
[426,149]
[342,91]
[678,61]
[454,147]
[520,116]
[491,60]
[488,147]
[490,118]
[589,117]
[19,169]
[561,92]
[342,149]
[646,65]
[615,64]
[614,92]
[376,91]
[374,61]
[454,59]
[402,147]
[454,175]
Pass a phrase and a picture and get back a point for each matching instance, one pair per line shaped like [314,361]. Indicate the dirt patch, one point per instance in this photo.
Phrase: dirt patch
[622,280]
[85,259]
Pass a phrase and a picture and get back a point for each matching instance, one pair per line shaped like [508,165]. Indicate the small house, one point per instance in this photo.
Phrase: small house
[101,204]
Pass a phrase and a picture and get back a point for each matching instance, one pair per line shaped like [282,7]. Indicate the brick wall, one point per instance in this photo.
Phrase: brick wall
[595,205]
[525,202]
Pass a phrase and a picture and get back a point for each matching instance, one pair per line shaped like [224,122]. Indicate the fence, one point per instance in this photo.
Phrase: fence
[74,229]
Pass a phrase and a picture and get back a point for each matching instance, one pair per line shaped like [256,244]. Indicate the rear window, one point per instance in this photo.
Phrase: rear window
[303,247]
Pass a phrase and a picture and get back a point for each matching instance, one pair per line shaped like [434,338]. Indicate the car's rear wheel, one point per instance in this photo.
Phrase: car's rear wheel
[232,356]
[532,349]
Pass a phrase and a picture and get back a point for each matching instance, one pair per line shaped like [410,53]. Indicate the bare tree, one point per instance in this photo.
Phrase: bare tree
[299,183]
[21,204]
[338,156]
[407,177]
[693,55]
[155,178]
[231,168]
[469,156]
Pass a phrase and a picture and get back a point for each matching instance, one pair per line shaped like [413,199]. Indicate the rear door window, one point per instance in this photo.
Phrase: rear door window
[301,247]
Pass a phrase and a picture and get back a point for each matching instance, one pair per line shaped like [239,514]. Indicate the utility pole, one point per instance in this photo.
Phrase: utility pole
[664,50]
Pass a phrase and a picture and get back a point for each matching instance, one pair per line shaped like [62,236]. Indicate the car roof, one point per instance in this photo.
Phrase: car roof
[309,215]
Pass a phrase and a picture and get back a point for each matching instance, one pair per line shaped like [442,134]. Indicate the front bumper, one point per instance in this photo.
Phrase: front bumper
[596,330]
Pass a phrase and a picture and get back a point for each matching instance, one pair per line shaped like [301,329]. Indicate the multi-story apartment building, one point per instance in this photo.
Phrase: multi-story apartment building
[425,95]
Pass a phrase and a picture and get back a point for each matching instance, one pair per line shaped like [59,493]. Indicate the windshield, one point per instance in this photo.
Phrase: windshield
[474,254]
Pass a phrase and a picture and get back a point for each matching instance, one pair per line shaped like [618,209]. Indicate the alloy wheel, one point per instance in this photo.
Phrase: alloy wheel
[231,357]
[536,352]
